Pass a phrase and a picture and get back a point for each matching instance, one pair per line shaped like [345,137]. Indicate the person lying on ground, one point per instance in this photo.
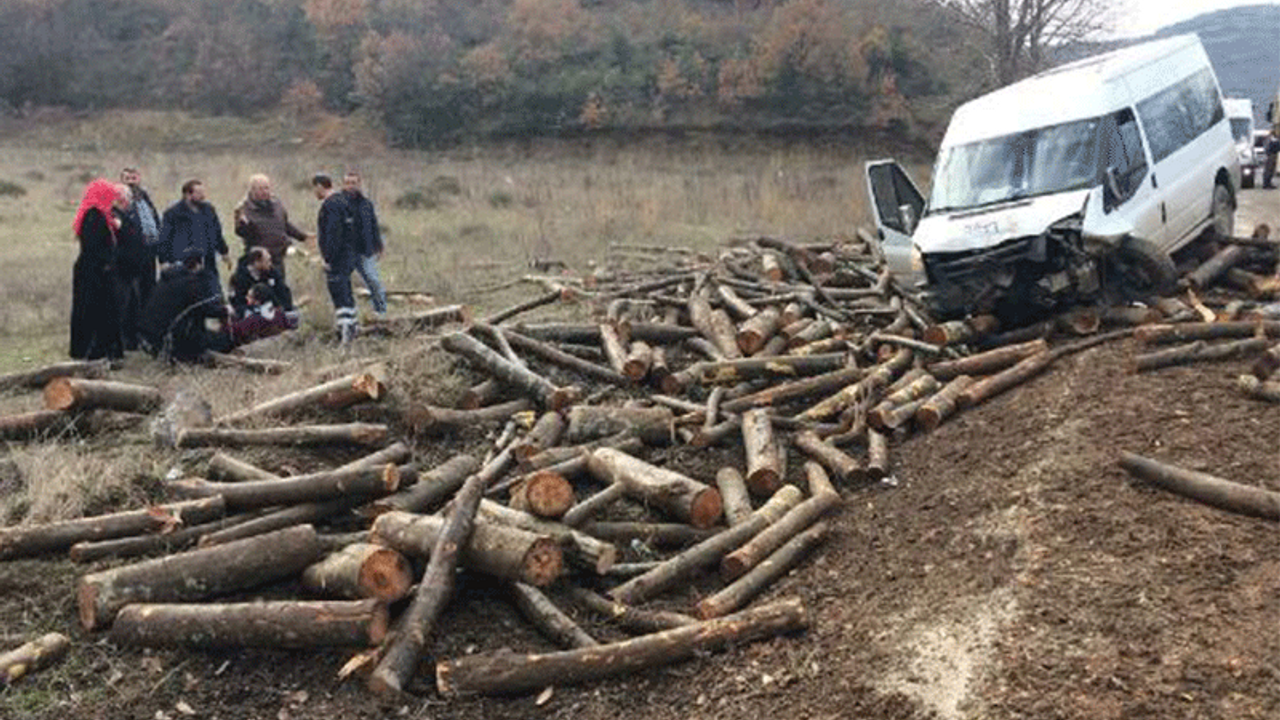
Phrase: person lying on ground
[262,317]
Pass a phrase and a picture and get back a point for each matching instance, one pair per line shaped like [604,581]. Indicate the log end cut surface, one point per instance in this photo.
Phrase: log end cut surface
[706,508]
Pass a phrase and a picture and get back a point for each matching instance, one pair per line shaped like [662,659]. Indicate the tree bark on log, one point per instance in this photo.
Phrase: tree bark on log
[658,534]
[36,655]
[402,653]
[16,542]
[765,573]
[757,330]
[592,553]
[577,455]
[549,619]
[293,624]
[563,359]
[357,483]
[1198,351]
[1209,271]
[961,331]
[796,390]
[614,351]
[359,571]
[682,496]
[303,514]
[1267,364]
[487,392]
[921,387]
[943,403]
[731,372]
[366,434]
[588,507]
[707,553]
[125,547]
[1187,332]
[333,395]
[736,306]
[737,563]
[506,672]
[430,420]
[878,377]
[552,296]
[1258,389]
[988,362]
[989,387]
[764,467]
[433,487]
[34,425]
[545,433]
[259,366]
[225,467]
[638,361]
[652,425]
[424,320]
[544,493]
[196,575]
[536,386]
[733,495]
[1131,315]
[877,456]
[628,618]
[70,394]
[845,467]
[1205,488]
[39,377]
[495,549]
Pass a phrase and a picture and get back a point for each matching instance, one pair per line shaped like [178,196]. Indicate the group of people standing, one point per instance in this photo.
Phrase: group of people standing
[149,280]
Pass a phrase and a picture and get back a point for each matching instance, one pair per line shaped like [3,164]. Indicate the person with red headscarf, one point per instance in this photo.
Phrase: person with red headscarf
[95,297]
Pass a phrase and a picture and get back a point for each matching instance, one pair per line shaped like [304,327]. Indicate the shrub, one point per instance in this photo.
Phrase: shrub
[11,189]
[445,185]
[501,199]
[418,200]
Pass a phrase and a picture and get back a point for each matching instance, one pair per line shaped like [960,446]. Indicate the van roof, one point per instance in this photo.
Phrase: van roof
[1085,88]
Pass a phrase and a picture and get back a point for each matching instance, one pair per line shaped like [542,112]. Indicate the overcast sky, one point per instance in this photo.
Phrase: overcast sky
[1140,17]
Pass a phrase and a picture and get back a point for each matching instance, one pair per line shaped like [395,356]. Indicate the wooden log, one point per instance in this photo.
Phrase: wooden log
[325,485]
[361,570]
[685,498]
[988,362]
[920,388]
[545,433]
[170,542]
[1131,315]
[878,377]
[942,404]
[614,350]
[287,517]
[627,617]
[563,359]
[1188,332]
[734,495]
[585,550]
[732,302]
[811,333]
[487,392]
[764,468]
[423,320]
[397,453]
[989,387]
[735,564]
[69,394]
[431,420]
[796,390]
[402,652]
[274,624]
[557,627]
[587,508]
[757,330]
[1198,351]
[225,467]
[1205,488]
[956,332]
[877,456]
[763,574]
[45,651]
[433,487]
[333,542]
[573,458]
[369,435]
[495,549]
[1213,268]
[196,575]
[28,541]
[652,425]
[1080,321]
[1257,389]
[535,386]
[507,672]
[658,534]
[1174,309]
[707,553]
[638,361]
[660,333]
[333,395]
[258,366]
[731,372]
[550,297]
[34,425]
[39,377]
[659,371]
[845,467]
[544,493]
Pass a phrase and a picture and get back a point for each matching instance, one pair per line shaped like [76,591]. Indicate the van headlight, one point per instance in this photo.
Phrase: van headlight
[917,259]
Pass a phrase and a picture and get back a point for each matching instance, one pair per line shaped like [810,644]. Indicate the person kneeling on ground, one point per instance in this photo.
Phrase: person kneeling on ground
[262,317]
[173,320]
[257,267]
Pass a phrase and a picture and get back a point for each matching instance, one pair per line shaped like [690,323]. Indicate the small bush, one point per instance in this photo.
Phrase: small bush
[418,200]
[501,199]
[34,176]
[445,185]
[11,189]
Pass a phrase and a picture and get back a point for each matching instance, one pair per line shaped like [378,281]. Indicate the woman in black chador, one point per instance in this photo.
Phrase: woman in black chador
[95,297]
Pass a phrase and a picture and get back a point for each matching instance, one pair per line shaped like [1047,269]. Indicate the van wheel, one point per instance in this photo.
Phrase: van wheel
[1140,270]
[1224,213]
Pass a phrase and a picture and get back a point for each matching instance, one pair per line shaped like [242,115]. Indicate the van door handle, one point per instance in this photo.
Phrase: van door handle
[1163,218]
[1154,184]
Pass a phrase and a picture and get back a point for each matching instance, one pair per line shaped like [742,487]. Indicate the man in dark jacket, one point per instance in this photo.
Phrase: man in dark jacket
[263,222]
[339,253]
[193,223]
[173,320]
[367,238]
[257,266]
[140,276]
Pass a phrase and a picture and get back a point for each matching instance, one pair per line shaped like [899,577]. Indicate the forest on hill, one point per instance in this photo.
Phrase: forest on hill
[440,71]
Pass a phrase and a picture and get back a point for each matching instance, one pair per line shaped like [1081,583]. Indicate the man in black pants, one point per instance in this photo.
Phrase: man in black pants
[137,267]
[339,253]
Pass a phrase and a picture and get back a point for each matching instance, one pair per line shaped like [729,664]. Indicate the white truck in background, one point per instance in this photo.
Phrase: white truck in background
[1072,184]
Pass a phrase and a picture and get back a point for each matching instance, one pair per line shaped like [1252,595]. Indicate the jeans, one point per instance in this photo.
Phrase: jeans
[367,266]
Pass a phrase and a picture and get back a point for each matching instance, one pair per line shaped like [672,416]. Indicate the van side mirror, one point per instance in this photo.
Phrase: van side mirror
[909,219]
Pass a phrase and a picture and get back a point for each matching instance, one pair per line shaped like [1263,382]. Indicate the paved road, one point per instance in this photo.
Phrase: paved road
[1257,206]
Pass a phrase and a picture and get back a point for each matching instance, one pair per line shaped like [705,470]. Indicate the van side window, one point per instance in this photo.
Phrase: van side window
[1124,152]
[1179,114]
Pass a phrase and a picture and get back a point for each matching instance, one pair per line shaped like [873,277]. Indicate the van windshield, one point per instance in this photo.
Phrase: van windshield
[1240,129]
[1035,162]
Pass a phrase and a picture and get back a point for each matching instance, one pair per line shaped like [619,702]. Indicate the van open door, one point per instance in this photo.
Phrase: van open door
[897,206]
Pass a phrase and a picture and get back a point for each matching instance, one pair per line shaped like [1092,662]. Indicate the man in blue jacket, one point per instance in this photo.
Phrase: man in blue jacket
[367,238]
[193,223]
[333,235]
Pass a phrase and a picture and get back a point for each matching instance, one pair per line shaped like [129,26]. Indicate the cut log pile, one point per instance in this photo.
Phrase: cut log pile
[686,445]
